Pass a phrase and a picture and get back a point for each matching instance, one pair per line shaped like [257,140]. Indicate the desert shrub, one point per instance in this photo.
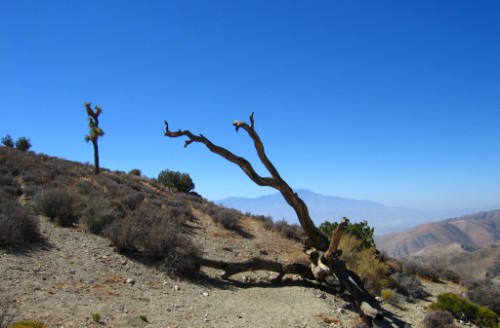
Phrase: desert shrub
[97,212]
[23,144]
[425,271]
[267,221]
[392,297]
[438,319]
[135,172]
[6,315]
[180,181]
[7,141]
[96,317]
[165,243]
[132,200]
[9,185]
[467,311]
[17,225]
[487,295]
[57,204]
[124,233]
[290,231]
[365,262]
[361,231]
[228,217]
[147,230]
[407,285]
[29,324]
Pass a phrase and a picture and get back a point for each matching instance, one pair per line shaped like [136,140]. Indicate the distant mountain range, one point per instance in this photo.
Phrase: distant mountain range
[473,231]
[385,219]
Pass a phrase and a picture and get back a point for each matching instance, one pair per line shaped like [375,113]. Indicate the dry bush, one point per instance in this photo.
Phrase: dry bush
[425,271]
[124,233]
[227,217]
[407,285]
[96,213]
[6,315]
[58,205]
[132,200]
[177,252]
[17,225]
[365,262]
[438,319]
[290,231]
[487,295]
[159,236]
[267,221]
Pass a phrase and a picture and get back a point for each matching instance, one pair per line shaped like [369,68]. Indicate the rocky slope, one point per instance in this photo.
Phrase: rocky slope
[73,275]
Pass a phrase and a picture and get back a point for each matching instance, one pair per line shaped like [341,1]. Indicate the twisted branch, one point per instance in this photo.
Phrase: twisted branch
[316,238]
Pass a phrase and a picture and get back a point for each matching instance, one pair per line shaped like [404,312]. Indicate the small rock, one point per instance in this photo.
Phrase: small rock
[176,287]
[72,271]
[321,296]
[205,294]
[130,281]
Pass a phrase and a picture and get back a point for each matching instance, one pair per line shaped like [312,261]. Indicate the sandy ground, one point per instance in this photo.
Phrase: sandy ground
[74,275]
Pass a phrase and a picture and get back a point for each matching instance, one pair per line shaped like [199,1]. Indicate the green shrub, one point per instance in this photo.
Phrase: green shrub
[360,231]
[467,311]
[135,172]
[96,317]
[29,324]
[180,181]
[23,144]
[57,204]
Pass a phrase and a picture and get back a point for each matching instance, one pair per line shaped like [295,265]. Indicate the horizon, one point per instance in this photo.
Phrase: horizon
[396,103]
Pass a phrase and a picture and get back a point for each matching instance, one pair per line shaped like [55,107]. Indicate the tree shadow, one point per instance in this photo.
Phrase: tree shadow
[28,249]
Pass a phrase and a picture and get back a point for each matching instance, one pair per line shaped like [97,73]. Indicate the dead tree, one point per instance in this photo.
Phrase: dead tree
[323,253]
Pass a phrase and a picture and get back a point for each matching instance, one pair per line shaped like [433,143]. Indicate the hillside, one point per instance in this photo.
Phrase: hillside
[468,264]
[69,275]
[476,230]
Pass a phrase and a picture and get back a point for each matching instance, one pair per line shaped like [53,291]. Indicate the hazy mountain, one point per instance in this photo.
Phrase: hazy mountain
[476,230]
[383,218]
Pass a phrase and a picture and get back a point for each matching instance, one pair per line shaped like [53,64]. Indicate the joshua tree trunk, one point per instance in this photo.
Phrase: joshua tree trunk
[323,253]
[96,157]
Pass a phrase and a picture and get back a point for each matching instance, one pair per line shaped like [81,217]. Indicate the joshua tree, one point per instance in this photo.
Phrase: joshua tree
[7,141]
[95,131]
[324,256]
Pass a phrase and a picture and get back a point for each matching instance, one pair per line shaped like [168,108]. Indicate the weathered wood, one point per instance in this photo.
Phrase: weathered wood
[317,239]
[325,259]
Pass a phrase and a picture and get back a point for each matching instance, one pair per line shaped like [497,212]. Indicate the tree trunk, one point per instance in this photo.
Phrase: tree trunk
[96,157]
[324,259]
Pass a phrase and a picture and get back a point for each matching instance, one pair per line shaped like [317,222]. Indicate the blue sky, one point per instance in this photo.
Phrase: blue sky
[392,101]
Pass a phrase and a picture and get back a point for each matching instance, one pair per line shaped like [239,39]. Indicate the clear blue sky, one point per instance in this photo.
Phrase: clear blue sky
[393,101]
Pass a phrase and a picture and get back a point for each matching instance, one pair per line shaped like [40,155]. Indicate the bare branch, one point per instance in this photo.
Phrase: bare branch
[316,238]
